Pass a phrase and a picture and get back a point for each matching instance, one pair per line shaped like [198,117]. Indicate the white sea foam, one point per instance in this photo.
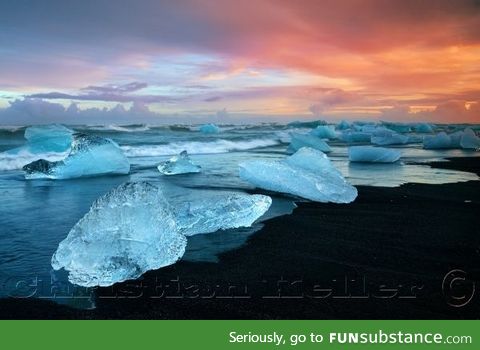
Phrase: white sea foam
[119,128]
[195,147]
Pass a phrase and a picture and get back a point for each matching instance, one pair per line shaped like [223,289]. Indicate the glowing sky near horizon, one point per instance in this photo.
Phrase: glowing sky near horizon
[398,60]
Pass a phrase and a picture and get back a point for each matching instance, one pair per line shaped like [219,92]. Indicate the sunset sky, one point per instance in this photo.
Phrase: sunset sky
[102,61]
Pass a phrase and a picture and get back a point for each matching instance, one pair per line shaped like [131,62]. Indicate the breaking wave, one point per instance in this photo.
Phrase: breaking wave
[194,147]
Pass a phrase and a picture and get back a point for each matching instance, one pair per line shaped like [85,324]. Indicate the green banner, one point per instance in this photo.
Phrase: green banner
[242,334]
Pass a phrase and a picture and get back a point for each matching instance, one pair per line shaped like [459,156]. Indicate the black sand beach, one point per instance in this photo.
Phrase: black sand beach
[388,255]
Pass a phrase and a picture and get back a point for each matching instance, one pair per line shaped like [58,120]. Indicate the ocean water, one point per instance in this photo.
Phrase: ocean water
[35,215]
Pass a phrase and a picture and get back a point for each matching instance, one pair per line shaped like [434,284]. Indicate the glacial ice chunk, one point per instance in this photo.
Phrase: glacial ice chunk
[343,125]
[398,127]
[48,138]
[300,140]
[355,136]
[43,141]
[371,154]
[324,132]
[127,232]
[470,140]
[138,227]
[438,141]
[209,129]
[89,156]
[384,138]
[423,128]
[180,164]
[456,138]
[308,173]
[220,212]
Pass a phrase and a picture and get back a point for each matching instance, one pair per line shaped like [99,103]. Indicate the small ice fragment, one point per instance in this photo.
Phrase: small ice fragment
[209,129]
[180,164]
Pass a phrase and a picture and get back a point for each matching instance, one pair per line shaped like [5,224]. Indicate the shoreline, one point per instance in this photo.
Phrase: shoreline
[384,256]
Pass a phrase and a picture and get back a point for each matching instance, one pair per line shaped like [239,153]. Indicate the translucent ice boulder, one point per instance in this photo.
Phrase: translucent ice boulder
[438,141]
[324,132]
[127,232]
[470,140]
[139,227]
[180,164]
[300,140]
[209,129]
[371,154]
[89,156]
[211,213]
[308,173]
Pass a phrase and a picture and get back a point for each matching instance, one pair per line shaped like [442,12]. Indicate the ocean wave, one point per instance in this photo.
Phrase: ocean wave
[16,160]
[195,147]
[9,132]
[118,128]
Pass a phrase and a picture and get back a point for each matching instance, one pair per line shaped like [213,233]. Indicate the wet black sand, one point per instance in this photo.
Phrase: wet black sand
[385,256]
